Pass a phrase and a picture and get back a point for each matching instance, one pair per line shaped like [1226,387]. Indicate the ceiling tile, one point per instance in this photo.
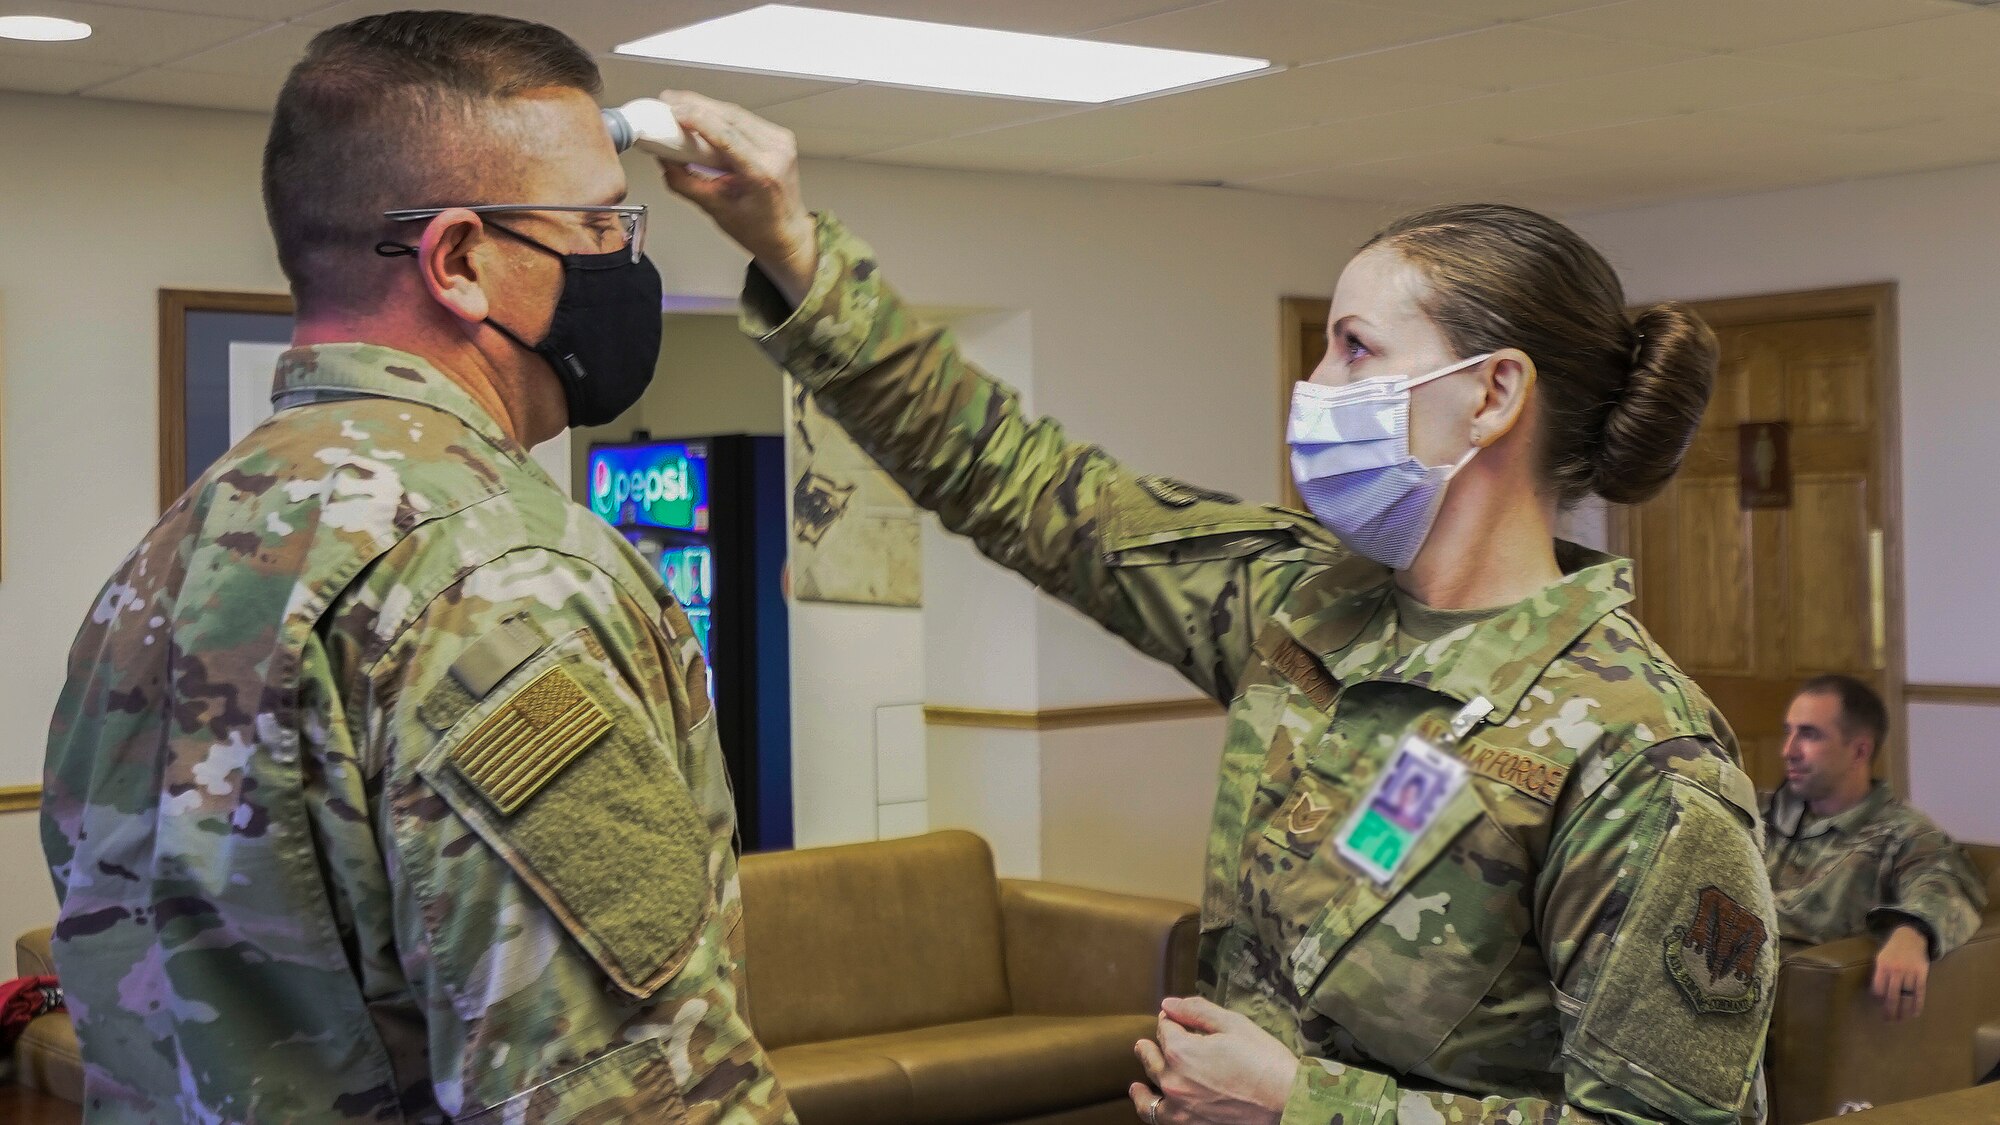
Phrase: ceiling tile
[1039,146]
[1512,57]
[270,53]
[625,79]
[1498,9]
[1477,168]
[1218,115]
[913,113]
[40,74]
[256,93]
[139,36]
[1685,138]
[1284,30]
[832,143]
[1393,194]
[1736,25]
[1870,107]
[1959,51]
[1229,161]
[261,10]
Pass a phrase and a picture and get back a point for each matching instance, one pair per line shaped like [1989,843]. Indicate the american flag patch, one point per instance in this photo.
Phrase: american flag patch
[529,739]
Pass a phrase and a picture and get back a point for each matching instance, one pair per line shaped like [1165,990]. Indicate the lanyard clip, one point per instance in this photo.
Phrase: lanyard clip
[1469,716]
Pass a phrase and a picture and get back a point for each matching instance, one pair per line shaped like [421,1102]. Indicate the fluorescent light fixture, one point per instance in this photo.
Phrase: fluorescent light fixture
[42,29]
[782,39]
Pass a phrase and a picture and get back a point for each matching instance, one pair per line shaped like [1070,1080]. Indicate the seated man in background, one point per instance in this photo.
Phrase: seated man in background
[1846,857]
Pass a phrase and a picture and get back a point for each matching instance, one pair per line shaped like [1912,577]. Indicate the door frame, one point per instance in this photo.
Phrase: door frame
[1294,314]
[1877,300]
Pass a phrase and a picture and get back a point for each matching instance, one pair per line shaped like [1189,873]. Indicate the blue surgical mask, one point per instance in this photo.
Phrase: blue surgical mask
[1352,462]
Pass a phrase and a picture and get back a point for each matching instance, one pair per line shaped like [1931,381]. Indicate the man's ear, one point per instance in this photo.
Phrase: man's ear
[1509,377]
[446,260]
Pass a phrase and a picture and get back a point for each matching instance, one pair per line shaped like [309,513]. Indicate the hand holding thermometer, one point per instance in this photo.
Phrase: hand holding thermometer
[649,124]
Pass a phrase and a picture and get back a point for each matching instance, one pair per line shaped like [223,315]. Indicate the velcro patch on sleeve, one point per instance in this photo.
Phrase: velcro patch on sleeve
[1529,773]
[1713,957]
[528,739]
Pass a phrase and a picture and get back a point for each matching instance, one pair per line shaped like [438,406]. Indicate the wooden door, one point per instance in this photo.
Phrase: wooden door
[1753,600]
[1301,345]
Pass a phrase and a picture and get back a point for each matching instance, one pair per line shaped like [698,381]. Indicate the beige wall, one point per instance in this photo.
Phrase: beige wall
[1145,317]
[1934,236]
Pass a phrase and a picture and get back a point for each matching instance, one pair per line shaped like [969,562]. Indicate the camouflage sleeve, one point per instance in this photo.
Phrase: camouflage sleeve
[1935,887]
[1199,569]
[1657,921]
[558,831]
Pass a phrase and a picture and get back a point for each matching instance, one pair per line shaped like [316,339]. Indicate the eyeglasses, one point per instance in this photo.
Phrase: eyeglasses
[630,235]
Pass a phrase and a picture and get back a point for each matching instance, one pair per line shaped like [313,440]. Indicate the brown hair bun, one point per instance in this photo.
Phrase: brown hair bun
[1649,425]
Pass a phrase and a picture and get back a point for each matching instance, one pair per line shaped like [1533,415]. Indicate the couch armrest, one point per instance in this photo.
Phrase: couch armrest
[1830,1043]
[1078,952]
[32,955]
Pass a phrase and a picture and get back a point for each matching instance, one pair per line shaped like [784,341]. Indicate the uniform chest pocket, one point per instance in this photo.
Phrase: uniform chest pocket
[1400,964]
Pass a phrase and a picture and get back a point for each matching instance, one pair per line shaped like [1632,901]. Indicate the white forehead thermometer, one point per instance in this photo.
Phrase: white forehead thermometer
[649,124]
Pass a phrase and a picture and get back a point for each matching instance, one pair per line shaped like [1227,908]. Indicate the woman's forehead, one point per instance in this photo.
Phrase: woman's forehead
[1381,287]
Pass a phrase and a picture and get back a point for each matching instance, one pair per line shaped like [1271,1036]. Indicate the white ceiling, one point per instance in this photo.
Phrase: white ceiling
[1561,104]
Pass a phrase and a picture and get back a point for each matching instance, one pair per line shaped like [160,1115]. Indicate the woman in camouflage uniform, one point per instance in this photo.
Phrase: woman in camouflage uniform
[1480,852]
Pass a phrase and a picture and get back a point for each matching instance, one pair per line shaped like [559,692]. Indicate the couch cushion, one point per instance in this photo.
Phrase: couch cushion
[32,954]
[22,1106]
[997,1070]
[47,1057]
[829,1085]
[872,938]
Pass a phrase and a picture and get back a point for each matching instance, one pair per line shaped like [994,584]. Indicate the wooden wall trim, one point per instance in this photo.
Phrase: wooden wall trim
[1984,695]
[20,798]
[1065,718]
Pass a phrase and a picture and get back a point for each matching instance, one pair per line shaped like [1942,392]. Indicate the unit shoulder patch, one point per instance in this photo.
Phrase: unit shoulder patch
[528,739]
[1713,958]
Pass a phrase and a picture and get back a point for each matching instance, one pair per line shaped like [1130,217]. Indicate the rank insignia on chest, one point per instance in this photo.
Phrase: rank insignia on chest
[1713,959]
[1308,813]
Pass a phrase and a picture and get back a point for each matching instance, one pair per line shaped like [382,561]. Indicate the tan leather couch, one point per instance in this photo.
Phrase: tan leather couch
[1830,1044]
[1979,1105]
[901,983]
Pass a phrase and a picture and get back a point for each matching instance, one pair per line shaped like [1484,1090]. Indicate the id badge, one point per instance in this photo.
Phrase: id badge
[1404,802]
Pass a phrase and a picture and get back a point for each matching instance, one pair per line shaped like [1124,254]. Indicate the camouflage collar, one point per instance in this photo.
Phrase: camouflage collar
[1500,658]
[1788,814]
[329,371]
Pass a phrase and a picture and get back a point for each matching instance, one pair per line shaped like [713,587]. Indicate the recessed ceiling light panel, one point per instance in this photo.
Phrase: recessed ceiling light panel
[782,39]
[42,29]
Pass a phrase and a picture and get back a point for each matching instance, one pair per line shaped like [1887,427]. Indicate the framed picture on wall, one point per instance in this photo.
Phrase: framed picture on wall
[218,351]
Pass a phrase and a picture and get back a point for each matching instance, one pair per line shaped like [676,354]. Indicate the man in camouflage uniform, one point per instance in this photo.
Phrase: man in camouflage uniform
[1847,858]
[384,786]
[1582,933]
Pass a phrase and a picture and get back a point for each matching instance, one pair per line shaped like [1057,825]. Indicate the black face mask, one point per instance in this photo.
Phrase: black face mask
[604,335]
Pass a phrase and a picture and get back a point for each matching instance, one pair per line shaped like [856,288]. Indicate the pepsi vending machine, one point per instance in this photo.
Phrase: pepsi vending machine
[708,514]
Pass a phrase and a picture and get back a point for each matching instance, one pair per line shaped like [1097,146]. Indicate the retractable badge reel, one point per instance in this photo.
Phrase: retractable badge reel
[1408,796]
